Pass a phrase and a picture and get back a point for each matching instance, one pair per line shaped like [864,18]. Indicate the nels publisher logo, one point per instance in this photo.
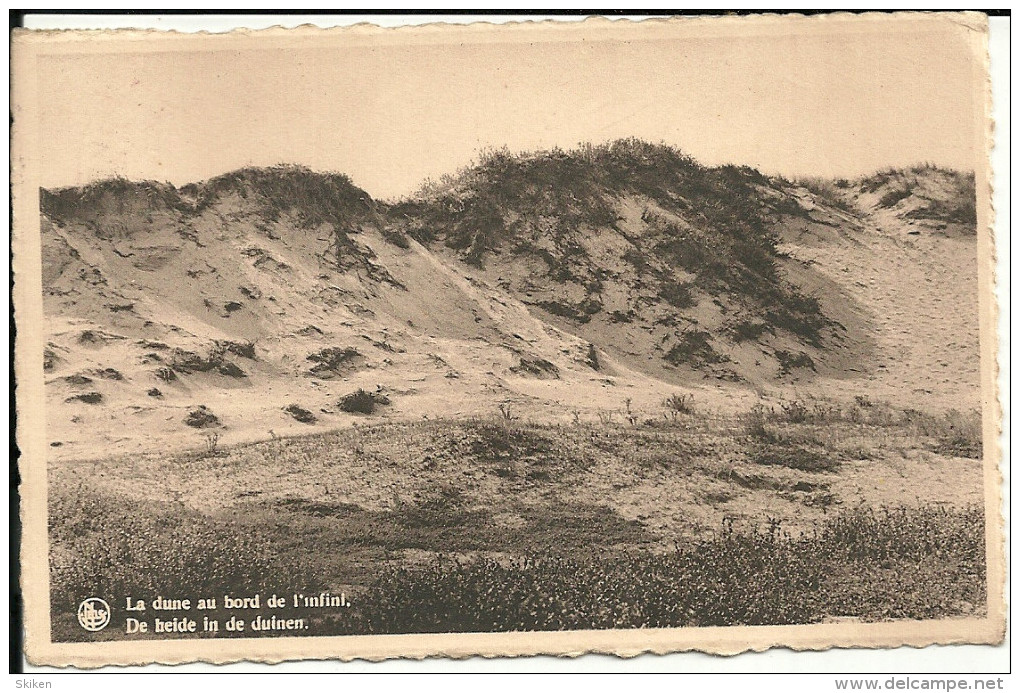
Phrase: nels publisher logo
[93,614]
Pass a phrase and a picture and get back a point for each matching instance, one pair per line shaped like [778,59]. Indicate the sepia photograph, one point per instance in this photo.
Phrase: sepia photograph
[539,338]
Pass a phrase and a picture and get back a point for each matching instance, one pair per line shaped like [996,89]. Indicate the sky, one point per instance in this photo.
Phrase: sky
[391,109]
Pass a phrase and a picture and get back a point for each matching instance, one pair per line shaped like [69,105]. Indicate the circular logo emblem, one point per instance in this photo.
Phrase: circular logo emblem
[94,614]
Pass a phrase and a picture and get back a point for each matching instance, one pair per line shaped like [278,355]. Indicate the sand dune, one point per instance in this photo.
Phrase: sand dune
[263,289]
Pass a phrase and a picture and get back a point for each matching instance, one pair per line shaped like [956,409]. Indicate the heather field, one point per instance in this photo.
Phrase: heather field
[800,512]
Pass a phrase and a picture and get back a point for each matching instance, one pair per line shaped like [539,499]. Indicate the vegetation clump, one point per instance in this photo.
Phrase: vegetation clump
[201,417]
[300,414]
[183,361]
[242,349]
[362,402]
[677,404]
[86,397]
[693,348]
[831,193]
[760,577]
[578,312]
[789,361]
[574,559]
[538,367]
[78,379]
[711,225]
[793,456]
[331,362]
[748,330]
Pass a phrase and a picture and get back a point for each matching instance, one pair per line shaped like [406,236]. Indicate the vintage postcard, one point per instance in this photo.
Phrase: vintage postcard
[601,336]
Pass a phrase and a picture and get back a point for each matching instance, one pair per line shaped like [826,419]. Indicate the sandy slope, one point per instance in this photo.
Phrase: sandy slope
[132,282]
[919,291]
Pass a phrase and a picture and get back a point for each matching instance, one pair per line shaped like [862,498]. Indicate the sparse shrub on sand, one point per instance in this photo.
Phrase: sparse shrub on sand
[183,361]
[537,367]
[362,402]
[50,359]
[333,361]
[792,411]
[789,361]
[793,456]
[201,418]
[694,348]
[166,374]
[955,433]
[300,413]
[747,330]
[506,411]
[677,294]
[894,196]
[578,312]
[212,441]
[677,404]
[243,349]
[755,424]
[396,236]
[230,369]
[830,193]
[86,397]
[78,379]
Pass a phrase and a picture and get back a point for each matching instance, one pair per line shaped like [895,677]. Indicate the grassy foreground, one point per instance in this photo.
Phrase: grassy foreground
[894,563]
[508,528]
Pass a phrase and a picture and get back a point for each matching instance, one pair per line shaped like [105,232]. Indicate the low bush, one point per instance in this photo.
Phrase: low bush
[201,418]
[538,367]
[578,312]
[396,237]
[735,580]
[755,425]
[362,402]
[187,362]
[793,456]
[747,330]
[793,411]
[300,414]
[677,294]
[243,349]
[333,361]
[789,361]
[849,567]
[694,348]
[892,197]
[830,193]
[230,369]
[679,404]
[954,433]
[86,397]
[167,550]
